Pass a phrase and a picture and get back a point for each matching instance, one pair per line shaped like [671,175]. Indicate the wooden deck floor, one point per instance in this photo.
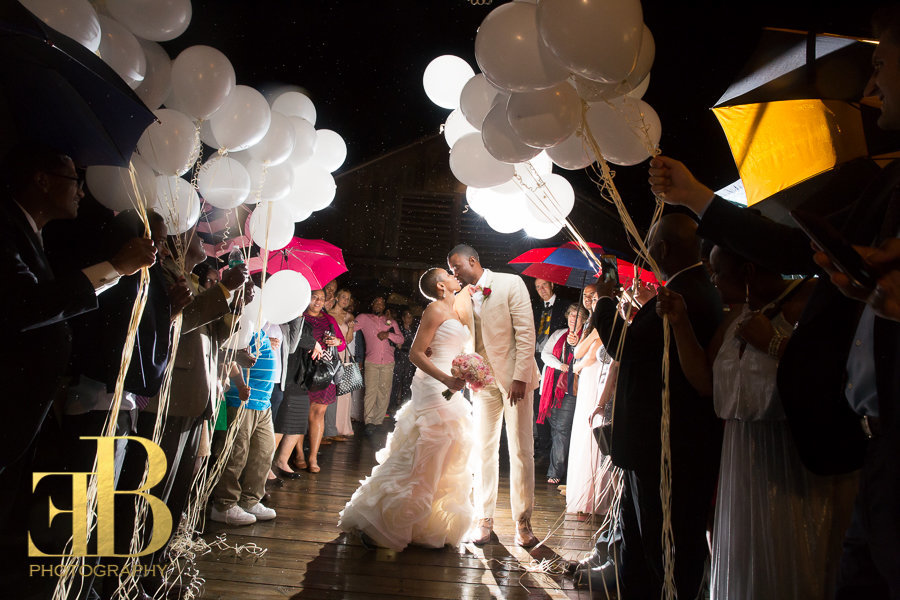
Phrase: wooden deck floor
[308,557]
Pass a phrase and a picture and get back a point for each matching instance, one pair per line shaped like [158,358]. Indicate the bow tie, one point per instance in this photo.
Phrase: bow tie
[546,305]
[473,289]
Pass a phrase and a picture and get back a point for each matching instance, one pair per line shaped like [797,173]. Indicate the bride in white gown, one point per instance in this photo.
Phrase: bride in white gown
[420,490]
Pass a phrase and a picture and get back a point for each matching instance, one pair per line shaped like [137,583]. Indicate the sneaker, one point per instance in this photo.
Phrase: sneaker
[261,512]
[233,516]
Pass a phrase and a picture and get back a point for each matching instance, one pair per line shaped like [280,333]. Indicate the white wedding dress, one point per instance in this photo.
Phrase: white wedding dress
[420,491]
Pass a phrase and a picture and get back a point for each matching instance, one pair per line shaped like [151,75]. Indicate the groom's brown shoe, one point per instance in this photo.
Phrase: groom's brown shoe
[480,534]
[524,536]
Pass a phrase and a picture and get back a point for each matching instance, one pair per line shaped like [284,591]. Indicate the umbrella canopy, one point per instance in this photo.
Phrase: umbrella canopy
[791,116]
[562,265]
[566,265]
[317,260]
[55,91]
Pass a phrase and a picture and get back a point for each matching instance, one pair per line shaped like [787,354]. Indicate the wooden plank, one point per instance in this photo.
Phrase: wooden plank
[307,556]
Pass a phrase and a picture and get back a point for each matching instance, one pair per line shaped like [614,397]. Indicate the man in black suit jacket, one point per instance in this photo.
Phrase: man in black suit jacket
[43,186]
[842,354]
[696,432]
[549,315]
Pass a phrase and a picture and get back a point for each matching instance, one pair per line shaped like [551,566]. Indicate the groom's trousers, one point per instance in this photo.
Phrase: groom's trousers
[491,409]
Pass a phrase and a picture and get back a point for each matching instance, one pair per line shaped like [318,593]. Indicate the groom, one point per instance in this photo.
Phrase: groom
[497,309]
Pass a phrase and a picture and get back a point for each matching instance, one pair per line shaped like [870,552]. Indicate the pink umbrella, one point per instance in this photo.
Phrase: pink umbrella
[317,260]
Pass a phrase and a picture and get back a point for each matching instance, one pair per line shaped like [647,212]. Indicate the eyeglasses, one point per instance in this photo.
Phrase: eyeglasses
[78,178]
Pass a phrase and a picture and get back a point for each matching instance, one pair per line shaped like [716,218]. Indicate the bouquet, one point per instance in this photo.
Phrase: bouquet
[472,369]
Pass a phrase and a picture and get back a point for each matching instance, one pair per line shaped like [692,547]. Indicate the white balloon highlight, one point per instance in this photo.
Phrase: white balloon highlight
[444,79]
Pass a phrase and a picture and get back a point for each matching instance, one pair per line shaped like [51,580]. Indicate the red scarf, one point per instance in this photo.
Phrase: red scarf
[555,384]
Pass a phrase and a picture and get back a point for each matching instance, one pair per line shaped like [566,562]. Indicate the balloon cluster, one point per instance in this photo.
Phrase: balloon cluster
[269,154]
[560,82]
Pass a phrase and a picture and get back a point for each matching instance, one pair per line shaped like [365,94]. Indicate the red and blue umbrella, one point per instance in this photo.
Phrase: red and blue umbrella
[567,265]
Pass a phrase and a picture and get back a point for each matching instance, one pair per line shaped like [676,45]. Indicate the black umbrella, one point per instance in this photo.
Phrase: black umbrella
[57,92]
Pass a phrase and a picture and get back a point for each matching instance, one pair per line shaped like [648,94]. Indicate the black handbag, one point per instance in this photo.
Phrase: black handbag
[324,372]
[351,379]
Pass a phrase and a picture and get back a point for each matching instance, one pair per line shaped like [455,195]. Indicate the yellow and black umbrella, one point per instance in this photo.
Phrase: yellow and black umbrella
[795,114]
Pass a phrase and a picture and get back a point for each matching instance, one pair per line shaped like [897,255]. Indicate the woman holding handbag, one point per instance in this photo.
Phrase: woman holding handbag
[346,322]
[327,332]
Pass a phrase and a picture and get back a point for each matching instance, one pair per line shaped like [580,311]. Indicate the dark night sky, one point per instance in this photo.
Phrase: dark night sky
[362,63]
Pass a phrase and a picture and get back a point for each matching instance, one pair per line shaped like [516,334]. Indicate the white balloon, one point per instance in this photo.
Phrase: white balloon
[202,78]
[456,127]
[626,130]
[509,50]
[505,213]
[473,165]
[271,226]
[177,202]
[113,188]
[552,202]
[74,18]
[500,139]
[477,98]
[295,104]
[304,141]
[315,185]
[207,136]
[542,164]
[170,145]
[121,51]
[572,153]
[444,79]
[243,119]
[546,117]
[157,20]
[243,333]
[541,231]
[330,150]
[269,183]
[598,39]
[157,82]
[223,182]
[286,294]
[637,78]
[277,144]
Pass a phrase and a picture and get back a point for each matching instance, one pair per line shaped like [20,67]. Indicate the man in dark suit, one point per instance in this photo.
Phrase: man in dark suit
[549,316]
[696,432]
[839,379]
[43,186]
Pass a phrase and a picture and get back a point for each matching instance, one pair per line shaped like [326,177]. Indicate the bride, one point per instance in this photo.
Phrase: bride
[420,491]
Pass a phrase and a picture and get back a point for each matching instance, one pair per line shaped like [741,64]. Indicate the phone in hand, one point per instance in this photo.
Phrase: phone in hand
[838,249]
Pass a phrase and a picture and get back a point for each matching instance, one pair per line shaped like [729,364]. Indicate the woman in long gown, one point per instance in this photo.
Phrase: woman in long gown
[586,478]
[420,491]
[778,527]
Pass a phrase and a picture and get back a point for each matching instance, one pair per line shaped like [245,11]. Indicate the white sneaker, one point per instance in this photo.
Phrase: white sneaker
[233,516]
[261,512]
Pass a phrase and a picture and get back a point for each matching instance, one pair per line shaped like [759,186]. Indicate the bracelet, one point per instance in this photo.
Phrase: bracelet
[775,344]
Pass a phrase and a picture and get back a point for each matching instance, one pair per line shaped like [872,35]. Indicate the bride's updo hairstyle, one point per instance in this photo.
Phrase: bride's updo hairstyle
[428,283]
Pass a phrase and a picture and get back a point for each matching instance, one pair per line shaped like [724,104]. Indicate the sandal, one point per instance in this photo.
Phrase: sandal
[314,468]
[553,480]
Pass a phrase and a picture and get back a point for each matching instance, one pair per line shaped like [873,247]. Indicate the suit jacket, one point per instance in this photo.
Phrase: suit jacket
[507,329]
[812,372]
[203,329]
[695,431]
[34,307]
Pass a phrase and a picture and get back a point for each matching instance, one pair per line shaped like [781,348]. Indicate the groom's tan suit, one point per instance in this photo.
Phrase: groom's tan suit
[504,335]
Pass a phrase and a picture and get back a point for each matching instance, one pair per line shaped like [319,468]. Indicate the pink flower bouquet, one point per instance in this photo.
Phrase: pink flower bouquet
[472,369]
